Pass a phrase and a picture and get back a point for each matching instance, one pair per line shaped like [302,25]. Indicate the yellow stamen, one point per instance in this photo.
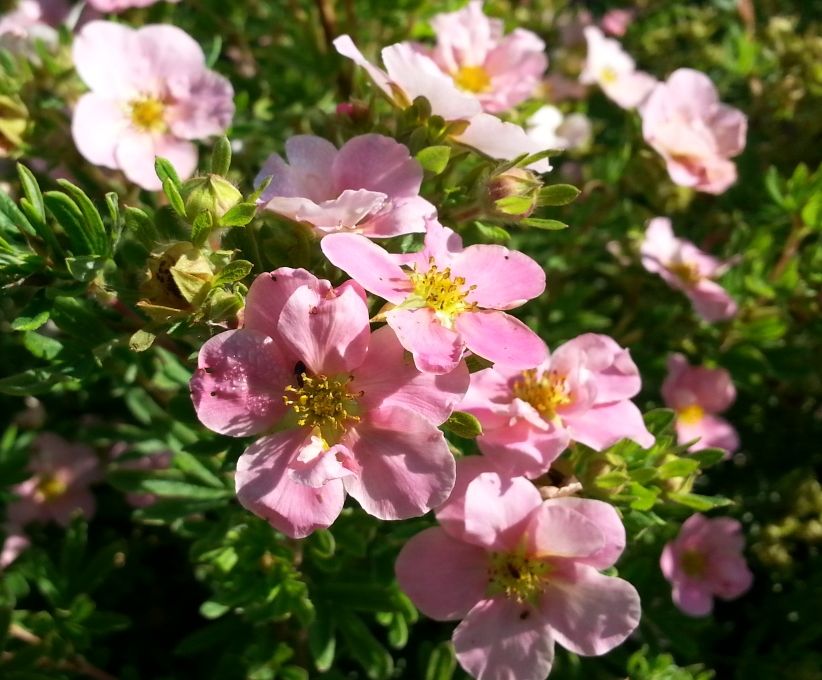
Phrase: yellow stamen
[693,563]
[687,272]
[50,488]
[608,75]
[516,576]
[691,414]
[323,404]
[440,292]
[148,114]
[473,79]
[545,392]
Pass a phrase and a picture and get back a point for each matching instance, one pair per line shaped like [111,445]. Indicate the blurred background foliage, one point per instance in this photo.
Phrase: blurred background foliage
[195,586]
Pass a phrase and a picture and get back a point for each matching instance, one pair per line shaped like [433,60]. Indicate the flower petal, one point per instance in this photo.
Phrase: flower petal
[499,337]
[269,293]
[604,425]
[377,163]
[96,127]
[557,530]
[436,349]
[607,520]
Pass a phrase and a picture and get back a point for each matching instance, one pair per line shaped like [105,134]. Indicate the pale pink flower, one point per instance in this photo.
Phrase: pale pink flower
[152,461]
[369,186]
[447,298]
[340,409]
[15,543]
[706,561]
[580,393]
[410,74]
[685,267]
[120,5]
[608,65]
[549,128]
[500,70]
[151,95]
[694,132]
[698,395]
[522,574]
[616,21]
[31,20]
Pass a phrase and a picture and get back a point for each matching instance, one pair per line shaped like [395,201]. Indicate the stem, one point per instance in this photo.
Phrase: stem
[792,244]
[328,19]
[77,664]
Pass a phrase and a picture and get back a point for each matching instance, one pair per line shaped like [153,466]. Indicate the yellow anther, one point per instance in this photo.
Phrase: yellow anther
[608,75]
[323,404]
[148,114]
[50,488]
[693,563]
[516,576]
[473,79]
[545,392]
[691,414]
[441,292]
[687,272]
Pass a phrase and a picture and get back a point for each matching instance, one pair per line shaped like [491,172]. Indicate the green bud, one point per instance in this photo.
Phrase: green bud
[212,194]
[512,194]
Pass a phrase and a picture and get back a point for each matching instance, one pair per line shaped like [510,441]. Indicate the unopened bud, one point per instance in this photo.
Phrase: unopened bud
[212,193]
[177,282]
[513,193]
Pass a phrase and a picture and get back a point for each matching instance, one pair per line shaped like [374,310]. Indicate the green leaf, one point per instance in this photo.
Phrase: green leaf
[221,157]
[32,381]
[70,218]
[213,610]
[192,466]
[31,319]
[85,267]
[659,420]
[463,425]
[514,205]
[233,271]
[643,498]
[172,191]
[708,457]
[322,641]
[434,159]
[201,228]
[557,194]
[475,363]
[93,223]
[539,223]
[174,489]
[698,502]
[612,480]
[364,647]
[141,340]
[166,172]
[13,217]
[238,216]
[681,467]
[441,663]
[42,346]
[32,191]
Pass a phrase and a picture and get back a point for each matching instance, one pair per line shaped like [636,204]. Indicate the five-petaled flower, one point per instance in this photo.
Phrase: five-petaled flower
[580,393]
[339,409]
[705,561]
[685,267]
[521,573]
[448,298]
[151,95]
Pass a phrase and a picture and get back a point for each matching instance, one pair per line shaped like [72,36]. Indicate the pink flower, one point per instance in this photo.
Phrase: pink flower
[153,461]
[549,128]
[609,66]
[448,298]
[698,394]
[370,186]
[340,409]
[410,74]
[706,561]
[694,132]
[58,488]
[501,71]
[616,21]
[31,20]
[120,5]
[685,267]
[522,574]
[580,393]
[151,94]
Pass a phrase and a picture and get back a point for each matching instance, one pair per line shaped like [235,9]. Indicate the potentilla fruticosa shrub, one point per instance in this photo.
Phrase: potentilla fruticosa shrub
[410,340]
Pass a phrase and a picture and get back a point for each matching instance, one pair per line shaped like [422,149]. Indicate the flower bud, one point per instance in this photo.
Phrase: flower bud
[177,282]
[212,193]
[513,193]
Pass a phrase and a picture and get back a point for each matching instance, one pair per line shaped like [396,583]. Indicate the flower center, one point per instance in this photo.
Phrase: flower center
[693,563]
[473,79]
[546,392]
[50,488]
[439,291]
[608,75]
[691,414]
[323,404]
[148,114]
[687,272]
[516,576]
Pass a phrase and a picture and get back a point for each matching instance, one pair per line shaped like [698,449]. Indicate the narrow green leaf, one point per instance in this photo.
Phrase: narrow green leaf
[322,641]
[174,489]
[434,159]
[221,157]
[213,610]
[238,216]
[32,191]
[233,271]
[681,467]
[539,223]
[166,172]
[97,236]
[192,466]
[698,502]
[13,217]
[463,425]
[201,227]
[172,191]
[70,218]
[557,194]
[441,663]
[85,267]
[708,457]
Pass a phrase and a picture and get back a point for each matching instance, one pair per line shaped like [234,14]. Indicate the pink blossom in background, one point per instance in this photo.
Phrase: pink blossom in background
[447,298]
[151,461]
[549,128]
[698,395]
[62,473]
[339,409]
[369,186]
[696,134]
[685,267]
[120,5]
[616,21]
[706,561]
[580,393]
[151,95]
[500,70]
[409,74]
[521,573]
[31,20]
[608,65]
